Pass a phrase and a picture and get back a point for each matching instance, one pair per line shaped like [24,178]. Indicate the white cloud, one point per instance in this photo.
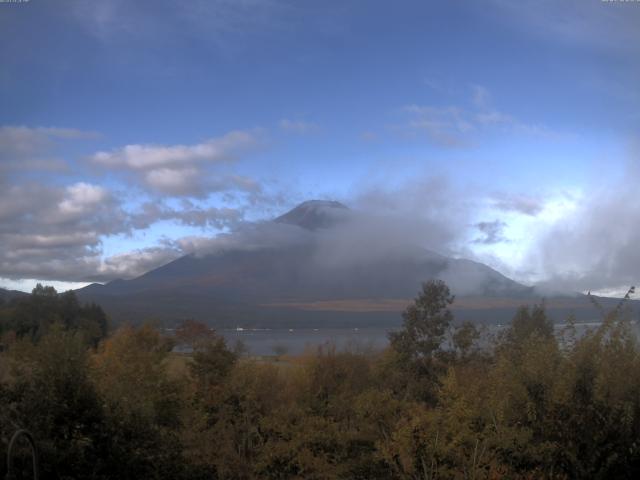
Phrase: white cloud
[34,242]
[520,203]
[592,24]
[50,231]
[183,170]
[522,221]
[222,24]
[443,125]
[132,264]
[177,181]
[147,157]
[457,126]
[56,233]
[21,145]
[188,214]
[81,198]
[593,245]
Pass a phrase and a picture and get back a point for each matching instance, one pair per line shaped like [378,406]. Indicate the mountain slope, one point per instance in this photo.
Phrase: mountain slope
[6,295]
[302,281]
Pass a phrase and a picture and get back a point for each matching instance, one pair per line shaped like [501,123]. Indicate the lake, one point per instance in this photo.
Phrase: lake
[296,341]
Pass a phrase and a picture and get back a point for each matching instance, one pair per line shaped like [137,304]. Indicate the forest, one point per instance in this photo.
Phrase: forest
[443,401]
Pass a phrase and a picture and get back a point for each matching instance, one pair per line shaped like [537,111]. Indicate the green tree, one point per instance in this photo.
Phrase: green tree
[142,403]
[464,339]
[212,362]
[416,355]
[51,394]
[33,315]
[193,333]
[528,322]
[425,322]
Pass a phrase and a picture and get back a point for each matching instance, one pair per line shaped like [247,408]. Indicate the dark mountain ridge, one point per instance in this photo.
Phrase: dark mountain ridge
[6,295]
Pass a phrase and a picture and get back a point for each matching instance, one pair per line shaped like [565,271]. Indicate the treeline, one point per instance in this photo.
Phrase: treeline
[442,402]
[32,316]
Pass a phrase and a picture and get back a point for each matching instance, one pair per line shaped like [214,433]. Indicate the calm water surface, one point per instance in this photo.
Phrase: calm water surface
[296,341]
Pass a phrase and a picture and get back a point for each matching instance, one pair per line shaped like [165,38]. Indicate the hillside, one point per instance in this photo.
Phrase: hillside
[6,295]
[300,280]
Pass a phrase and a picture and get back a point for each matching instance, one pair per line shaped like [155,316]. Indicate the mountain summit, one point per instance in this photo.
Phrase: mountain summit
[315,214]
[272,276]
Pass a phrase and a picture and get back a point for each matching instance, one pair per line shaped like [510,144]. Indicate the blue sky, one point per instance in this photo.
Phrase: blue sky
[128,127]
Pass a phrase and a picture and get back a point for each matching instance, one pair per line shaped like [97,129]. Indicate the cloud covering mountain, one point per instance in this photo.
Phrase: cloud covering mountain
[320,257]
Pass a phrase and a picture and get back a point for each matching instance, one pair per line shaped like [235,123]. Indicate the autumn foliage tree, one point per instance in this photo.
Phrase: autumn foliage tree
[441,402]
